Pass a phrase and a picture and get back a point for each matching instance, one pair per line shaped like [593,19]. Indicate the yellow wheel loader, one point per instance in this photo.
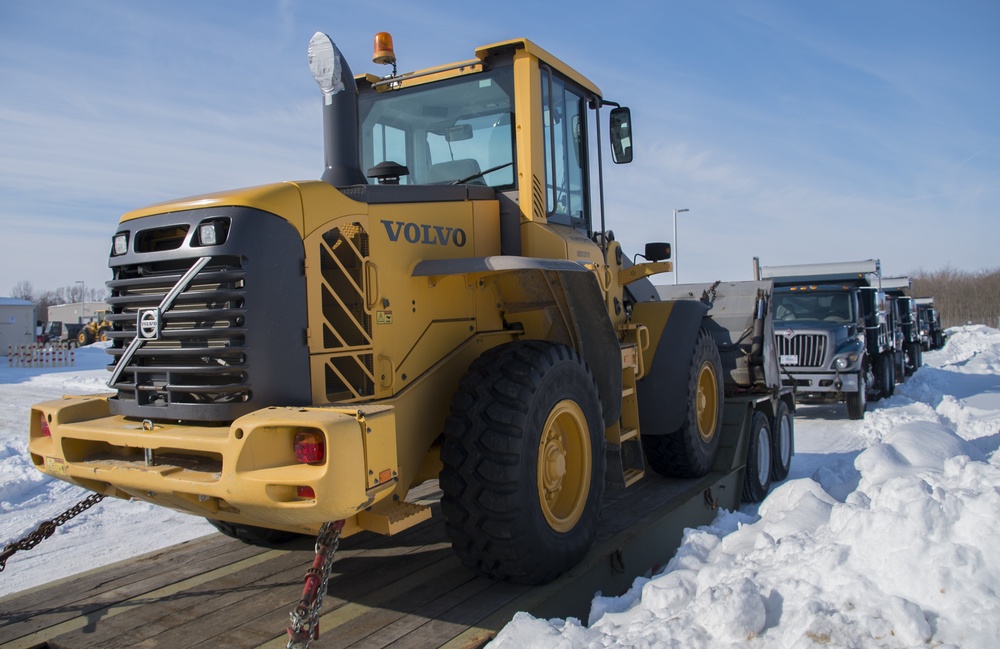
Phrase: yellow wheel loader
[451,307]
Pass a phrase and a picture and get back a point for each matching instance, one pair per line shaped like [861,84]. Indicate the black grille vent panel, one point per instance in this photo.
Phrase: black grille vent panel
[809,348]
[232,341]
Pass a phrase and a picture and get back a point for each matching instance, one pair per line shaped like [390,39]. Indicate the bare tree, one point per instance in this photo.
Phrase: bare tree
[23,290]
[961,296]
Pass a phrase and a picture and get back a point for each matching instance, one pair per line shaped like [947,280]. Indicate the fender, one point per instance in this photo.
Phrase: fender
[526,285]
[662,392]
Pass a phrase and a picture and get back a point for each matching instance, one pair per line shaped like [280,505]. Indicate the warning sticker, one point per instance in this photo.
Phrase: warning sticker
[383,317]
[56,466]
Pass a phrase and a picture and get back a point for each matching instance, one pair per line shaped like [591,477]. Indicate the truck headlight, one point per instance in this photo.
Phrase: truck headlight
[840,363]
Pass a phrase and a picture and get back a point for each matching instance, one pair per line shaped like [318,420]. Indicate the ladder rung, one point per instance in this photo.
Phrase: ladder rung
[633,475]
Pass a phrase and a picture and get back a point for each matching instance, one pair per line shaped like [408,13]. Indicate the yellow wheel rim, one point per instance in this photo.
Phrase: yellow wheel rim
[707,401]
[564,466]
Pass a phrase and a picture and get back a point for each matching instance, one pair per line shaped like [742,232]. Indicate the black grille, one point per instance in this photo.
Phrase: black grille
[230,339]
[810,348]
[199,357]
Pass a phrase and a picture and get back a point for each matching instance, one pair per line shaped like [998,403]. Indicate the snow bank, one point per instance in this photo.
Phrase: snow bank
[905,557]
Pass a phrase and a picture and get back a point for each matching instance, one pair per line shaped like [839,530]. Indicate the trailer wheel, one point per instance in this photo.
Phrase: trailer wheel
[690,451]
[523,463]
[757,477]
[782,442]
[253,535]
[856,401]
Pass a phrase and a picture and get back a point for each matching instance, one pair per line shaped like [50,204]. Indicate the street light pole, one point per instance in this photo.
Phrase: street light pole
[676,212]
[83,300]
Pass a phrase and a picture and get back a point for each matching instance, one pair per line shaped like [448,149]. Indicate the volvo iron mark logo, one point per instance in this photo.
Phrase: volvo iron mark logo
[149,324]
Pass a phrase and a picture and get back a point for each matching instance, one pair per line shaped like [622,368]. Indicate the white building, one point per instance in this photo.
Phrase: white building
[17,323]
[76,312]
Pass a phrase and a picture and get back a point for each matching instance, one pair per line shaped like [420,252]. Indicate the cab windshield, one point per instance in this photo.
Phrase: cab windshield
[830,306]
[454,130]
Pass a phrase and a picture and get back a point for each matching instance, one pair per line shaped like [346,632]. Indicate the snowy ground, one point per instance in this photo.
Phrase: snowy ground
[884,535]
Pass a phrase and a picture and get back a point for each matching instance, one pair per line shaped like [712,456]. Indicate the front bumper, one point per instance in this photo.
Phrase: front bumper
[245,472]
[820,382]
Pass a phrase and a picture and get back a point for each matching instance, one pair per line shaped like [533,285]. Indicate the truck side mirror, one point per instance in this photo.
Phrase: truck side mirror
[657,251]
[621,135]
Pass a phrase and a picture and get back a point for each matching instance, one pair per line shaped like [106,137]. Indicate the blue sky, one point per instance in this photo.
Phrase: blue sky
[793,131]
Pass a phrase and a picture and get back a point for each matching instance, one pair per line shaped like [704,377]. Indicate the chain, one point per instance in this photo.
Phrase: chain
[708,297]
[47,528]
[305,616]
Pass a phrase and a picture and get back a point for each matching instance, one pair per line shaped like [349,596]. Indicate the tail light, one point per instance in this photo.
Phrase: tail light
[309,447]
[305,492]
[46,431]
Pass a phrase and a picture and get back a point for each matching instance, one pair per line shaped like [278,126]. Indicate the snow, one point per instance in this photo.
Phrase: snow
[884,534]
[109,532]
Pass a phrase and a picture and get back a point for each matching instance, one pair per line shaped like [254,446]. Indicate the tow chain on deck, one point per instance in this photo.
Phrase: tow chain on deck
[47,528]
[305,616]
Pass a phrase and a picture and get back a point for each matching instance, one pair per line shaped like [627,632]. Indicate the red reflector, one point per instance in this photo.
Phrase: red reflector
[46,431]
[305,492]
[309,447]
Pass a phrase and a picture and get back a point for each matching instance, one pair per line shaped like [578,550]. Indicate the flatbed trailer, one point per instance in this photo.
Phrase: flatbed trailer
[408,590]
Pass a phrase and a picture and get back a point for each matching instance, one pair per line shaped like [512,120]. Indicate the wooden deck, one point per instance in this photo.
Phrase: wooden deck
[403,591]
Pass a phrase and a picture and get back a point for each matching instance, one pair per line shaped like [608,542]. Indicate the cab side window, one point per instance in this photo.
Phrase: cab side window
[564,129]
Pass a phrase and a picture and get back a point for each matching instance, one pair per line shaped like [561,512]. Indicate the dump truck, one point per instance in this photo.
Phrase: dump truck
[932,334]
[911,352]
[445,303]
[835,336]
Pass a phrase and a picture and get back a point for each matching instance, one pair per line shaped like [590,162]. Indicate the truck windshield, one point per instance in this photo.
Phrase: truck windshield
[830,306]
[444,131]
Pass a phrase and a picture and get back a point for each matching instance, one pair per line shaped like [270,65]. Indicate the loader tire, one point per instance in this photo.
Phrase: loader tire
[782,442]
[757,477]
[83,338]
[523,463]
[690,451]
[253,535]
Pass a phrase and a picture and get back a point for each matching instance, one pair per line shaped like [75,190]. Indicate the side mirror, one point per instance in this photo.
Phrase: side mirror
[621,135]
[657,251]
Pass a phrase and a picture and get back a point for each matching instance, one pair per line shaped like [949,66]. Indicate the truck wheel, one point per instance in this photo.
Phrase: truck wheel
[523,462]
[690,451]
[782,442]
[856,401]
[254,535]
[83,338]
[883,377]
[757,477]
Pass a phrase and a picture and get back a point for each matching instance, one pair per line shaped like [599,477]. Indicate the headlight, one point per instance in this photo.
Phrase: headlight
[120,246]
[840,363]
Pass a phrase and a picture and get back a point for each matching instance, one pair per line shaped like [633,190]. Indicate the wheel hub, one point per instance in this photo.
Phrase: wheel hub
[564,466]
[706,402]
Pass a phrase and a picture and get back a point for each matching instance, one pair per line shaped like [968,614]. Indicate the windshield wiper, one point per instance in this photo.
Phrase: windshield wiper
[482,173]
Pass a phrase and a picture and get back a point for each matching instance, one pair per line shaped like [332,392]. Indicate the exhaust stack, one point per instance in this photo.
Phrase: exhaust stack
[340,112]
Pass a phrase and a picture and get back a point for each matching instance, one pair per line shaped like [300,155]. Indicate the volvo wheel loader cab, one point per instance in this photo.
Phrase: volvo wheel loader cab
[445,303]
